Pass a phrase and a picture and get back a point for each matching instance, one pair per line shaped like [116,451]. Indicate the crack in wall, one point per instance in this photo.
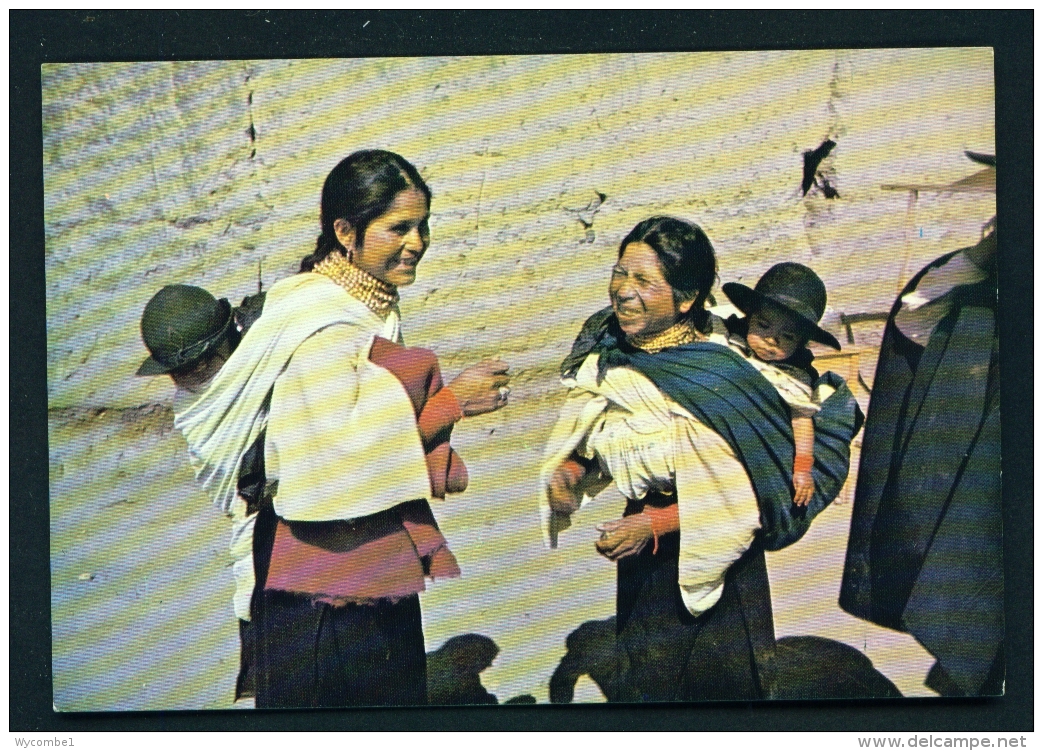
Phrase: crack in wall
[251,131]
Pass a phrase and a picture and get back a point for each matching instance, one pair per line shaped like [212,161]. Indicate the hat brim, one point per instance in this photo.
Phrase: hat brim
[989,160]
[152,367]
[746,300]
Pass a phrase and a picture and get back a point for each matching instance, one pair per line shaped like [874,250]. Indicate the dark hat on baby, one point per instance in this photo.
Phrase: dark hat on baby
[180,325]
[793,287]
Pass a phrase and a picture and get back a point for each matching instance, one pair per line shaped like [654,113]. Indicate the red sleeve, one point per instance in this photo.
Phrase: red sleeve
[440,412]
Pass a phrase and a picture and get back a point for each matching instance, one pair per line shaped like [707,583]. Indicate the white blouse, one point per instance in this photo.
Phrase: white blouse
[925,306]
[801,399]
[645,441]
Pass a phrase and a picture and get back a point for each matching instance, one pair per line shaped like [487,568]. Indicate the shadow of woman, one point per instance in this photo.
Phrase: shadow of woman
[804,667]
[453,672]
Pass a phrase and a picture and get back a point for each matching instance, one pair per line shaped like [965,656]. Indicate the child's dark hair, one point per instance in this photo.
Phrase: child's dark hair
[358,190]
[686,257]
[780,310]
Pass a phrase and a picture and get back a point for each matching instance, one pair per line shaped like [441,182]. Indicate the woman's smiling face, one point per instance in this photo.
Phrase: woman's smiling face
[394,242]
[641,297]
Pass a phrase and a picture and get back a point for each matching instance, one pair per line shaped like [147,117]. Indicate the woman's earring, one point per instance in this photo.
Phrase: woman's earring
[345,235]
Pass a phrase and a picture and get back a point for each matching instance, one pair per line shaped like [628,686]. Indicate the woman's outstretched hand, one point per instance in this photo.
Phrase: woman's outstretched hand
[623,537]
[482,387]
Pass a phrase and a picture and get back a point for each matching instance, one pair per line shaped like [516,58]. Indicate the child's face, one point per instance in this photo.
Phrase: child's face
[773,335]
[196,377]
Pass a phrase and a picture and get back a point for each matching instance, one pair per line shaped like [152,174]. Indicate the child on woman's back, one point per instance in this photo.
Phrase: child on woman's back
[782,314]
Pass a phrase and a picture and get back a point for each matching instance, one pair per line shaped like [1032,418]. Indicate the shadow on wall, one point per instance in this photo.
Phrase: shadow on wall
[453,672]
[806,667]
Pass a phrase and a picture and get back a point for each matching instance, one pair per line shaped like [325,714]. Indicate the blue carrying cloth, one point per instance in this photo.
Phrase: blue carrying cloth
[723,391]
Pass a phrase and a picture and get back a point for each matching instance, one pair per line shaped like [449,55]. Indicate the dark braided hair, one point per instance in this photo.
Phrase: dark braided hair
[358,190]
[686,258]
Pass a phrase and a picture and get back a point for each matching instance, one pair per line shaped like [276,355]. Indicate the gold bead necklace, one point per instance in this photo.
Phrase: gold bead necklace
[682,332]
[377,295]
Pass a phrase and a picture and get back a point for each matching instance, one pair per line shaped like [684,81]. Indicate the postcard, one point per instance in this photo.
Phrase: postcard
[639,377]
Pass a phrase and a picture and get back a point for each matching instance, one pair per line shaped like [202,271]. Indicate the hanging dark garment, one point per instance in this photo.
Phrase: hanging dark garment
[246,680]
[251,487]
[925,553]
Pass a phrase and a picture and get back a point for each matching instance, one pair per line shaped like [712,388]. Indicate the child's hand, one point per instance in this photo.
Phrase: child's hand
[803,488]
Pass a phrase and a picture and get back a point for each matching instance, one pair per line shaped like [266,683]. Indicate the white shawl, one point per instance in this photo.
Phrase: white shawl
[717,507]
[227,418]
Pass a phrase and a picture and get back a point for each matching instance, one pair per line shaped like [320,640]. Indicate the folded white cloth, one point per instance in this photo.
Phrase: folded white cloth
[645,441]
[225,419]
[342,439]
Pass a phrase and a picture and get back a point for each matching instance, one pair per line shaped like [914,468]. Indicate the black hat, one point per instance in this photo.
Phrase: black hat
[989,160]
[180,325]
[793,287]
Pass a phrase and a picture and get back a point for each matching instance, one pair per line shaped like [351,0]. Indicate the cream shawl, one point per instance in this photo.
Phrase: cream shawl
[649,438]
[227,418]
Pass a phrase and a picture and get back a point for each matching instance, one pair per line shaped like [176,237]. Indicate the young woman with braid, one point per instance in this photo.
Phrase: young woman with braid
[357,431]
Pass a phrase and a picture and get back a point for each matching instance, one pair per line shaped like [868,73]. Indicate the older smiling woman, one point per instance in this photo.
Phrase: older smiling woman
[700,445]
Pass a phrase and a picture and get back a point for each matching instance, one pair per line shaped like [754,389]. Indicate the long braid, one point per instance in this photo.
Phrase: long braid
[324,245]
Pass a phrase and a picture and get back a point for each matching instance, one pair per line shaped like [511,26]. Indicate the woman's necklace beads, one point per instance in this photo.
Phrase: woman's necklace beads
[377,295]
[682,332]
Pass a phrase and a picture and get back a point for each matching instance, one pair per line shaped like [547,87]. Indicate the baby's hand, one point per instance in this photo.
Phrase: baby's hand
[803,488]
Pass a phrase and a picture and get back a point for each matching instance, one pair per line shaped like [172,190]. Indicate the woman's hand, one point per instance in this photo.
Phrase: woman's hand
[562,494]
[482,387]
[623,537]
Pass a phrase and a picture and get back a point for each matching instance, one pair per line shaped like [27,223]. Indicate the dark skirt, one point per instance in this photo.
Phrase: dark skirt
[666,654]
[245,682]
[313,654]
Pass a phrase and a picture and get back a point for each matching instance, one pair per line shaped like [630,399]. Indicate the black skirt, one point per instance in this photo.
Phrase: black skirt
[313,654]
[665,653]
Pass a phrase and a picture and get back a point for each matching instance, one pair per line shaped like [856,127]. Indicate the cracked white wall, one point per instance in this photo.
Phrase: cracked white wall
[196,172]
